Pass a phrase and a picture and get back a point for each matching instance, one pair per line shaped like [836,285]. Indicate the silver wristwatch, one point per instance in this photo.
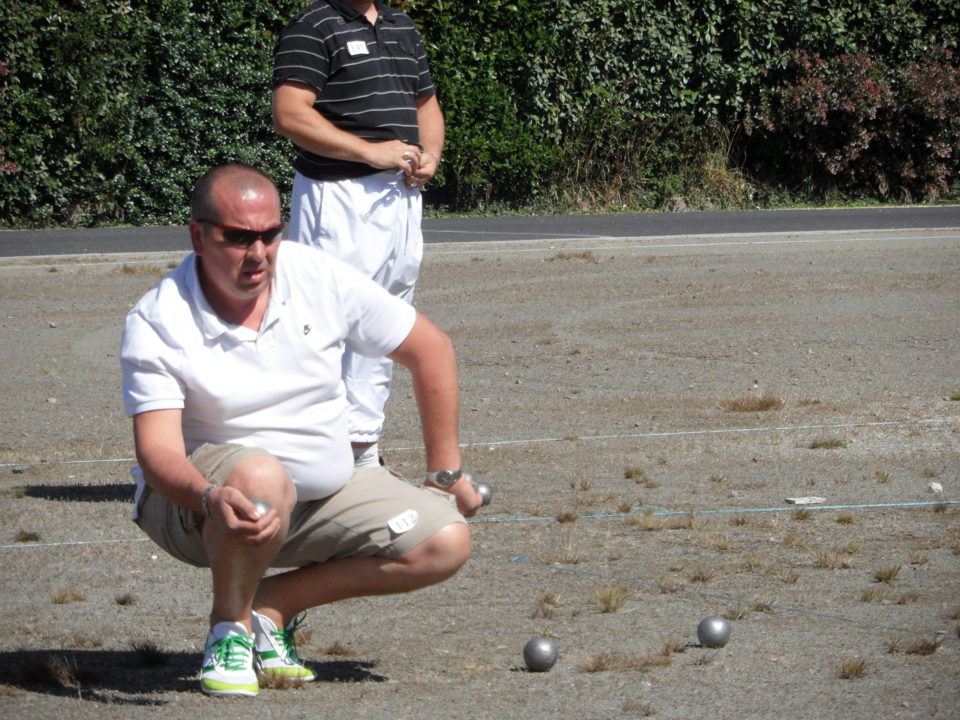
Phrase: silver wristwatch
[444,478]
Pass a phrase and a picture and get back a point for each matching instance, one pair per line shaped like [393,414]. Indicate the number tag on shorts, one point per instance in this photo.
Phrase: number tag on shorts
[357,47]
[406,520]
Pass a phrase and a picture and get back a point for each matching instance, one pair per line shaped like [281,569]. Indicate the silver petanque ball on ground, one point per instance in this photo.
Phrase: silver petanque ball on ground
[713,631]
[262,506]
[540,653]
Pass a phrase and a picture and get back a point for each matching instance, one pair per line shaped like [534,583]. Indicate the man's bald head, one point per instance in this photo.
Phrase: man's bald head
[235,179]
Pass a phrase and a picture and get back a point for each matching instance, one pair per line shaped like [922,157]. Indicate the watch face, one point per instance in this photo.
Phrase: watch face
[446,478]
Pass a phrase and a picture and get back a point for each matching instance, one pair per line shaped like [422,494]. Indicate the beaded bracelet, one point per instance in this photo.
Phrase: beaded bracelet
[206,499]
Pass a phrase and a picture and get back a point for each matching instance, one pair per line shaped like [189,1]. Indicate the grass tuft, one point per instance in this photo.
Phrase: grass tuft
[852,669]
[829,444]
[606,662]
[62,597]
[886,574]
[25,536]
[149,654]
[338,649]
[702,574]
[753,403]
[610,598]
[547,605]
[59,671]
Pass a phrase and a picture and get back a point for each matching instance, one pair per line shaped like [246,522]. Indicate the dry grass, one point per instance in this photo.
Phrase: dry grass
[918,646]
[69,595]
[792,540]
[125,599]
[148,269]
[607,662]
[845,519]
[831,560]
[886,574]
[338,649]
[881,476]
[640,477]
[149,654]
[279,682]
[59,671]
[828,444]
[690,521]
[610,598]
[87,641]
[918,558]
[852,668]
[788,575]
[566,516]
[637,709]
[737,612]
[762,606]
[25,536]
[585,255]
[702,574]
[802,514]
[753,403]
[871,594]
[568,552]
[547,605]
[668,587]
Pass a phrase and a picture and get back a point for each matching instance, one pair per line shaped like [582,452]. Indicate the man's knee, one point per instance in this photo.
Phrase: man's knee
[263,476]
[442,554]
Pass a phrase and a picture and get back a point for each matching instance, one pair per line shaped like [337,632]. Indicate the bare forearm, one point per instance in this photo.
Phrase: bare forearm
[432,126]
[161,456]
[429,356]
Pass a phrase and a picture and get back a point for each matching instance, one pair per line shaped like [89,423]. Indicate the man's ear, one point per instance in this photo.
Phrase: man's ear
[196,237]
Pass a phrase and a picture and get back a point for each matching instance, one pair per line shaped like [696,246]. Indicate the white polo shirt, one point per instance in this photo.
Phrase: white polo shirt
[278,388]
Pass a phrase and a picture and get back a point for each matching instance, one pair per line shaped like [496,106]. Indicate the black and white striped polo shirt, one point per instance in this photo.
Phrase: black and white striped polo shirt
[367,77]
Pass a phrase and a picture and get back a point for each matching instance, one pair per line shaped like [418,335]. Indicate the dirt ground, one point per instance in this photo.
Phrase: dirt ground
[632,495]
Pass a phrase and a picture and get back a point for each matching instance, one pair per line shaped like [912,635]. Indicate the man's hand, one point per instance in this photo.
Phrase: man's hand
[233,511]
[468,499]
[422,170]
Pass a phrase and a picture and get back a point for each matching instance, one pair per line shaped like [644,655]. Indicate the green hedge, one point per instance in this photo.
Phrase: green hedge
[112,108]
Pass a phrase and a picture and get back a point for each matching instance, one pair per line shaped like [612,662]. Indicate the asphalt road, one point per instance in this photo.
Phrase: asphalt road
[21,243]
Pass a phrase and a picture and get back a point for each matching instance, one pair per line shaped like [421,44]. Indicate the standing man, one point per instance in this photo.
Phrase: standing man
[231,373]
[353,91]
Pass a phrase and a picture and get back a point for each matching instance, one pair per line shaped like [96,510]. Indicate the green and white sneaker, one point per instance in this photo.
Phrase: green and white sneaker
[228,661]
[277,649]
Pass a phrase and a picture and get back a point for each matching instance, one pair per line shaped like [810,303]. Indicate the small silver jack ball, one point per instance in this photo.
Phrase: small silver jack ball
[484,491]
[713,631]
[540,653]
[262,506]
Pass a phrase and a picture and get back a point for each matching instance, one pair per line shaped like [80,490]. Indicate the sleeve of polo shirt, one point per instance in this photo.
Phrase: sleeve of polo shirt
[377,322]
[301,56]
[149,378]
[425,86]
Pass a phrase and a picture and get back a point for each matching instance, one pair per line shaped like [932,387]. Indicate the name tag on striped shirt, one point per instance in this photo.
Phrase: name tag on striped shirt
[357,47]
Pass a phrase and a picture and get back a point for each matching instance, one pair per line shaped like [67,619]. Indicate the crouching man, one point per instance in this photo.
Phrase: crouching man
[231,373]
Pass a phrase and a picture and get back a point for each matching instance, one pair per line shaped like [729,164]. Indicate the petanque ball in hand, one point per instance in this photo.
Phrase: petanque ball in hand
[262,506]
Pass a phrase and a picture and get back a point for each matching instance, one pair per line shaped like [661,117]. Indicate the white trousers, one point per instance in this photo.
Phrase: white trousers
[372,223]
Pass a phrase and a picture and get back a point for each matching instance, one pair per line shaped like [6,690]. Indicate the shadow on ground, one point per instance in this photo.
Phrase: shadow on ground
[132,677]
[112,492]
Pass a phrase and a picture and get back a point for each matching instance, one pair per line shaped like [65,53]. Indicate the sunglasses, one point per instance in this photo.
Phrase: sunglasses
[244,236]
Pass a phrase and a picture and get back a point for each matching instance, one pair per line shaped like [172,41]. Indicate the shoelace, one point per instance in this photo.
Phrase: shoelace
[285,638]
[234,652]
